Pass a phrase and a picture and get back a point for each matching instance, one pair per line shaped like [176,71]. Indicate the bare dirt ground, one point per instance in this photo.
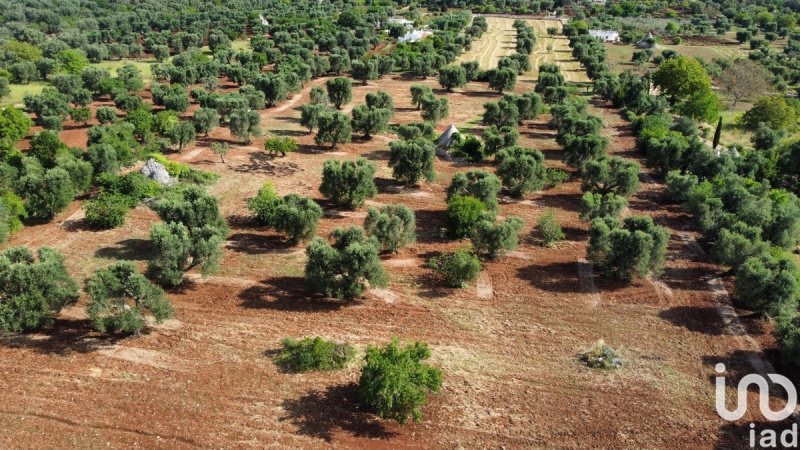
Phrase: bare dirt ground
[508,345]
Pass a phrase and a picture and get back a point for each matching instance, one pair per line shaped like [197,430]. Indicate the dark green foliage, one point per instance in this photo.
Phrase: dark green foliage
[12,213]
[310,113]
[46,194]
[502,80]
[395,383]
[458,268]
[717,134]
[452,77]
[205,120]
[765,137]
[106,114]
[120,297]
[191,236]
[767,283]
[340,91]
[737,243]
[501,114]
[492,239]
[314,354]
[369,120]
[412,160]
[394,226]
[463,213]
[580,149]
[606,175]
[476,183]
[470,148]
[679,185]
[495,139]
[294,215]
[634,248]
[418,92]
[434,108]
[595,204]
[107,211]
[348,183]
[412,131]
[103,158]
[549,228]
[33,292]
[47,147]
[521,170]
[245,123]
[334,128]
[182,134]
[343,269]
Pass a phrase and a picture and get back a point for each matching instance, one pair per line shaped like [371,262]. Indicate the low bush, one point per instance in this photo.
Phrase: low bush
[107,211]
[348,183]
[549,229]
[310,354]
[463,213]
[492,239]
[601,356]
[458,268]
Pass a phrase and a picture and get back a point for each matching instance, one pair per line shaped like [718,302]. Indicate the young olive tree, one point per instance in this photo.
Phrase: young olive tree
[348,183]
[394,226]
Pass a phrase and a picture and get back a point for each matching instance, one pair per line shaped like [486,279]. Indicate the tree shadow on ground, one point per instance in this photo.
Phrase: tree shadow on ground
[127,249]
[430,224]
[263,163]
[63,337]
[569,202]
[695,318]
[288,294]
[554,277]
[293,133]
[320,414]
[258,244]
[481,94]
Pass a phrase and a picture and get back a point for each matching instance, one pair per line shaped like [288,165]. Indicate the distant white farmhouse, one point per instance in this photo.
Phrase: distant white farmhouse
[605,36]
[264,21]
[400,20]
[414,36]
[599,2]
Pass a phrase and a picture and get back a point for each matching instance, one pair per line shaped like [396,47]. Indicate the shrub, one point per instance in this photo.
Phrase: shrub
[594,205]
[107,211]
[463,213]
[12,213]
[549,228]
[458,268]
[103,158]
[521,170]
[33,292]
[773,111]
[601,356]
[633,249]
[737,243]
[120,297]
[555,177]
[394,226]
[348,183]
[412,161]
[476,183]
[263,205]
[470,148]
[342,270]
[679,186]
[309,354]
[492,239]
[395,383]
[280,144]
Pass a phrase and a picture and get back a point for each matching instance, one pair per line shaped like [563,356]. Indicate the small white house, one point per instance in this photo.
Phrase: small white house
[414,36]
[605,35]
[264,20]
[599,2]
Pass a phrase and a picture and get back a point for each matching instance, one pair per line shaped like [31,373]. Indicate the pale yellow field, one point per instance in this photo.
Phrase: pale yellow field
[500,40]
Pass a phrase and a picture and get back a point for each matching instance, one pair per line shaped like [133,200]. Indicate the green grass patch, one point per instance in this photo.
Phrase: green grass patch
[18,91]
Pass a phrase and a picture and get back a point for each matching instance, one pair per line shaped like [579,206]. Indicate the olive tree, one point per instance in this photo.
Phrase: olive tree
[394,226]
[492,239]
[33,291]
[334,128]
[120,298]
[344,269]
[521,170]
[348,183]
[633,248]
[615,175]
[340,91]
[476,183]
[412,160]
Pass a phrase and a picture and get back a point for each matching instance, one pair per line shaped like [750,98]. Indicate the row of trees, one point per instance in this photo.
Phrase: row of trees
[747,223]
